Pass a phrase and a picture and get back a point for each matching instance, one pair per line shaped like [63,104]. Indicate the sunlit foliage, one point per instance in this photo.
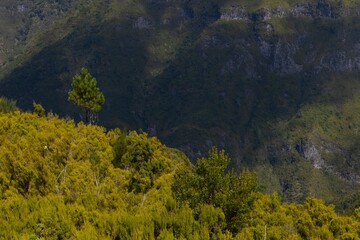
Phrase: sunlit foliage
[86,95]
[62,180]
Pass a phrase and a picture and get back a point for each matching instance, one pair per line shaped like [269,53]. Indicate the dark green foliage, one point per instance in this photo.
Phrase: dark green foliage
[86,95]
[209,183]
[119,146]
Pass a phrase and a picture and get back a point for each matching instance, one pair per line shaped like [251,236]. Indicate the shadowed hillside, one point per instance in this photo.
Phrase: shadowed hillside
[275,83]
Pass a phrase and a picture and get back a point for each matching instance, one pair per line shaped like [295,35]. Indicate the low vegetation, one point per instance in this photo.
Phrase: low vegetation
[62,180]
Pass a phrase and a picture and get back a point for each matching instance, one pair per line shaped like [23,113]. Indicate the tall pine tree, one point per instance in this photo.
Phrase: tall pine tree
[87,96]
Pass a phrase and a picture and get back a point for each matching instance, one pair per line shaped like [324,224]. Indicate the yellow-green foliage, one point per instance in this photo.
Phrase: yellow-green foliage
[46,159]
[61,180]
[311,220]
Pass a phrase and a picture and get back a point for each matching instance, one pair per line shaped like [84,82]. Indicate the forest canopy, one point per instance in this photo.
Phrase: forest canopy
[65,180]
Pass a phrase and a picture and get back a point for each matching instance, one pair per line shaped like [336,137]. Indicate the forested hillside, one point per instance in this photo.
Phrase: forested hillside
[61,180]
[274,82]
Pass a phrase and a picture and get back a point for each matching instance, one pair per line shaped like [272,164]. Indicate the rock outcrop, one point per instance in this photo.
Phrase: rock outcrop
[313,10]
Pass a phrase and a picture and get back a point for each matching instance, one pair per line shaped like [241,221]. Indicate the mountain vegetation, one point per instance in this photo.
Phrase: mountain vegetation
[86,95]
[62,180]
[273,82]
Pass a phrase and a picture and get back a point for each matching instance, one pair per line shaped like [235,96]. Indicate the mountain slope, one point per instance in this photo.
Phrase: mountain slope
[273,82]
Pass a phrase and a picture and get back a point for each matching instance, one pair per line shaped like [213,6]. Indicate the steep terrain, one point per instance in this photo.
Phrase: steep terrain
[276,83]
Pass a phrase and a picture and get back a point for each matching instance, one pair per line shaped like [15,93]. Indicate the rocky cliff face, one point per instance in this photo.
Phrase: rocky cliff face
[282,53]
[275,85]
[312,9]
